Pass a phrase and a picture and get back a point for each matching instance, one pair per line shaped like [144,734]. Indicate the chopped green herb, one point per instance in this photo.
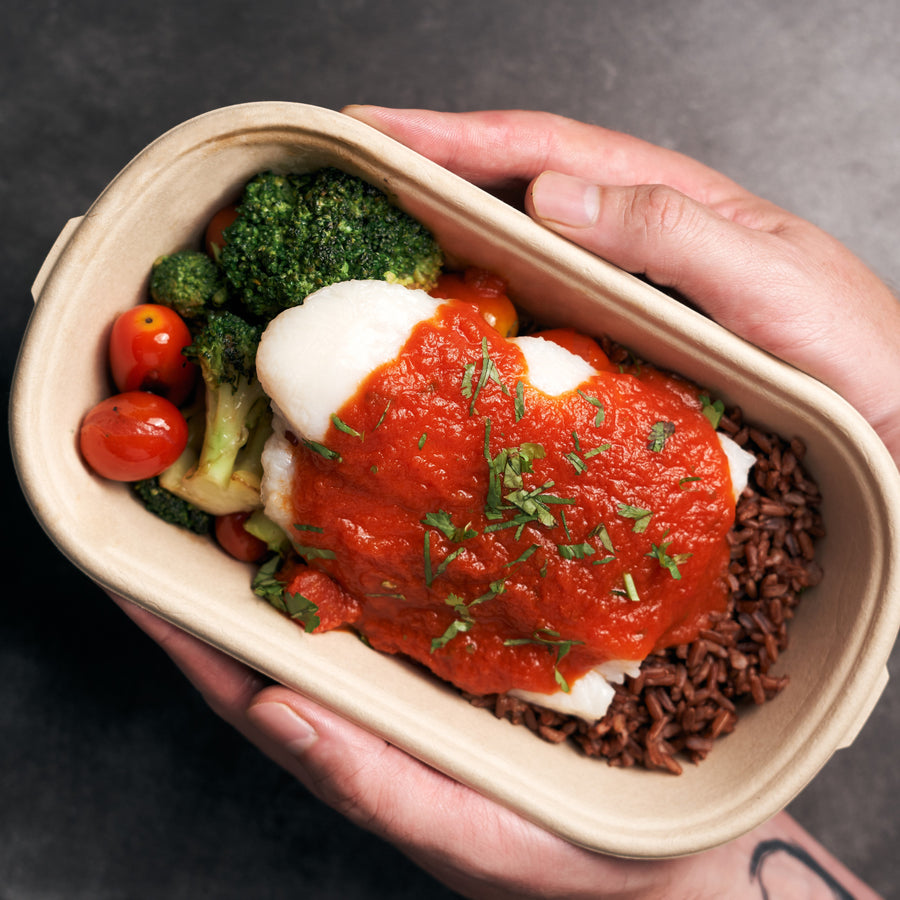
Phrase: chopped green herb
[640,516]
[446,562]
[589,454]
[384,413]
[630,590]
[575,551]
[462,609]
[309,553]
[518,522]
[712,409]
[265,584]
[301,527]
[689,480]
[604,561]
[520,400]
[298,607]
[341,425]
[422,439]
[430,573]
[442,522]
[429,577]
[601,410]
[457,626]
[671,563]
[548,638]
[577,462]
[506,471]
[659,434]
[468,375]
[534,503]
[526,555]
[599,531]
[494,588]
[303,610]
[489,372]
[322,450]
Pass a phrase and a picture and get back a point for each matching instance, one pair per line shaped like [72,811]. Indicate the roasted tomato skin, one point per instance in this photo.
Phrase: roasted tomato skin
[214,239]
[145,347]
[132,436]
[236,540]
[485,291]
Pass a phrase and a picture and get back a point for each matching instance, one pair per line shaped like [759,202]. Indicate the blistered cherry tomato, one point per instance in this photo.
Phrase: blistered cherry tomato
[145,352]
[236,540]
[132,436]
[215,237]
[581,345]
[485,291]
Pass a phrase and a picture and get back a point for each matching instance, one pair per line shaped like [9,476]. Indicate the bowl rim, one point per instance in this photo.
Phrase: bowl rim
[659,314]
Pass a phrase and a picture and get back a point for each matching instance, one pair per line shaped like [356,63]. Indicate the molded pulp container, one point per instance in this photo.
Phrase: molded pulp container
[840,640]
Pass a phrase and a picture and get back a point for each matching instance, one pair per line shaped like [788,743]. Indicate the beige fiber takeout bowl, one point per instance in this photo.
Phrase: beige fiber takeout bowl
[840,640]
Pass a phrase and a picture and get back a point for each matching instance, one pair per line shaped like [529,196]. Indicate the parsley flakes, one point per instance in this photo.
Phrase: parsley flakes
[641,517]
[596,402]
[659,434]
[712,409]
[546,637]
[322,450]
[465,620]
[670,563]
[341,425]
[489,372]
[443,522]
[298,607]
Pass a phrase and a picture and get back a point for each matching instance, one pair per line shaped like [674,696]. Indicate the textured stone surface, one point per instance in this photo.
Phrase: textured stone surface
[115,780]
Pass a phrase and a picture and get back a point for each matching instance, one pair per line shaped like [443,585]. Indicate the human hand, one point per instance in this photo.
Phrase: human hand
[468,842]
[765,274]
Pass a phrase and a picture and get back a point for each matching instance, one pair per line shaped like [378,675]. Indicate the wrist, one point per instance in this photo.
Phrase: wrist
[777,860]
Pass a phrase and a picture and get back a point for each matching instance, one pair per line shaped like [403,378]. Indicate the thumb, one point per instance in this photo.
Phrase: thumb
[656,231]
[777,281]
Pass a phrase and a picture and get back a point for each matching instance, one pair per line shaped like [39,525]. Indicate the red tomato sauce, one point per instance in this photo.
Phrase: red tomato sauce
[609,545]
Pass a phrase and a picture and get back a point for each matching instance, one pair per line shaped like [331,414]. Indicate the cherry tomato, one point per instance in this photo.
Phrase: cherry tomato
[132,436]
[145,352]
[581,345]
[215,238]
[483,290]
[236,540]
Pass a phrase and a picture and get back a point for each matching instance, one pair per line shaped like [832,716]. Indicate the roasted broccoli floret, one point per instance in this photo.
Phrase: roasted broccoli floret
[171,508]
[189,282]
[297,233]
[221,468]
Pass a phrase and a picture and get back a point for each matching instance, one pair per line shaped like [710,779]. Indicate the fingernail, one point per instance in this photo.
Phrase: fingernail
[283,725]
[565,199]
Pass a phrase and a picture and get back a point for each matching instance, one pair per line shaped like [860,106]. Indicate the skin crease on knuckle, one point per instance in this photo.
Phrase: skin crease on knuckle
[667,226]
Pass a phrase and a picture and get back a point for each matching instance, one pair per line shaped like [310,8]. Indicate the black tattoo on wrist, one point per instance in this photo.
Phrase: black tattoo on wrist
[766,849]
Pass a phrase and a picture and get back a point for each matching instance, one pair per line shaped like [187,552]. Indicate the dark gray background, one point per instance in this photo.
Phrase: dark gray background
[115,780]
